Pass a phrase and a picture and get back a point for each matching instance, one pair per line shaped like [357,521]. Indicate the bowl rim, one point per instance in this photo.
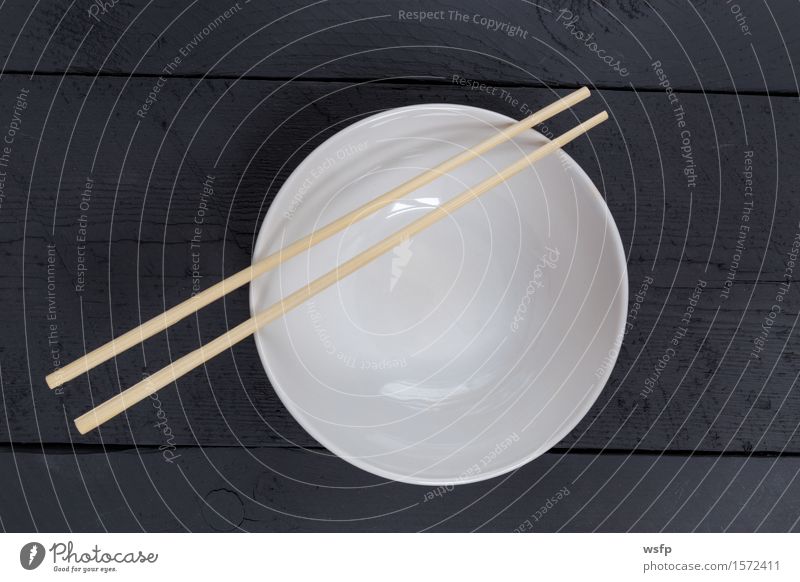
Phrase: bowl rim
[580,412]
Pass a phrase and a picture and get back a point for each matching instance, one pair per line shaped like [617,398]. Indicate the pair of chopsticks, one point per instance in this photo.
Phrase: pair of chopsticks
[127,398]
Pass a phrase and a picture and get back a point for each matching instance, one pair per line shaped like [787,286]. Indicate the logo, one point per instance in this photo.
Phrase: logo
[402,255]
[99,6]
[31,555]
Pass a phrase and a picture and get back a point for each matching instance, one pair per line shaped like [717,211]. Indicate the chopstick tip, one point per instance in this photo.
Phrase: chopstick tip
[84,423]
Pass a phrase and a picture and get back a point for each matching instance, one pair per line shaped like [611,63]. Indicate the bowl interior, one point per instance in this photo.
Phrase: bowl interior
[472,347]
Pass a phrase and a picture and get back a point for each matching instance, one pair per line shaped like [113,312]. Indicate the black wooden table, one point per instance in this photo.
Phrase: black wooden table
[113,115]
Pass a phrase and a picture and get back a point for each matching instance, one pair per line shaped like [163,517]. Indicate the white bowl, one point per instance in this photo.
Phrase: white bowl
[468,351]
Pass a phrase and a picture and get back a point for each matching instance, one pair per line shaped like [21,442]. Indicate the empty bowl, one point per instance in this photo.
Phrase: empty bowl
[471,348]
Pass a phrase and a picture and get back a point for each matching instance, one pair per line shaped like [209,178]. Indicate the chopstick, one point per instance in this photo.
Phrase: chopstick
[122,401]
[173,315]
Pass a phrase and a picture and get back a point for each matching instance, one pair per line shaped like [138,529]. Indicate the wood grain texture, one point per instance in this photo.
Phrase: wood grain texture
[706,45]
[234,489]
[98,206]
[147,177]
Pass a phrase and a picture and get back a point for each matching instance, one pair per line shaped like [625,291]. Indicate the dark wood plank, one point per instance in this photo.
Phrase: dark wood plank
[707,45]
[227,489]
[140,221]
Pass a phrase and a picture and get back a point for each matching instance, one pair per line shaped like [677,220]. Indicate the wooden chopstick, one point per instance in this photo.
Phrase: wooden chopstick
[122,401]
[173,315]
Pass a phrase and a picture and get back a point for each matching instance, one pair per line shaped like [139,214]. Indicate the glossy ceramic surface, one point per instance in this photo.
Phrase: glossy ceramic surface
[472,348]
